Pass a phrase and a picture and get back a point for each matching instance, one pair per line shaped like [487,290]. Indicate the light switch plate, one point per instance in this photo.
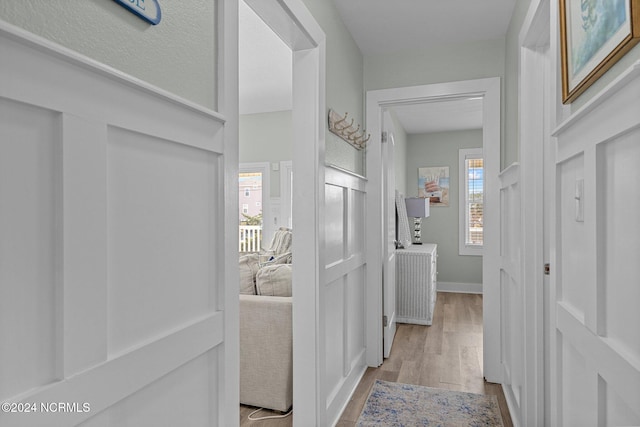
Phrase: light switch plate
[275,166]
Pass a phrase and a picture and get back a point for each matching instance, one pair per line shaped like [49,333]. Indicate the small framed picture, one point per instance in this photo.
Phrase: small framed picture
[594,35]
[433,183]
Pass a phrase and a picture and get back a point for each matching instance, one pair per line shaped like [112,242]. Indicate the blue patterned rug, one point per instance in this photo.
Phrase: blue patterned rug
[395,404]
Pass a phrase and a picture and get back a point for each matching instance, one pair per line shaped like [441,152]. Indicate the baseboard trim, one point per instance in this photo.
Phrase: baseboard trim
[511,405]
[463,288]
[343,394]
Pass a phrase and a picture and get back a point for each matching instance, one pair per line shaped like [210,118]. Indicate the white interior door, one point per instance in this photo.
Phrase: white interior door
[549,250]
[594,294]
[523,222]
[389,235]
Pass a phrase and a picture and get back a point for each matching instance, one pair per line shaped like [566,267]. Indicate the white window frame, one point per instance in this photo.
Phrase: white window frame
[286,193]
[464,154]
[267,220]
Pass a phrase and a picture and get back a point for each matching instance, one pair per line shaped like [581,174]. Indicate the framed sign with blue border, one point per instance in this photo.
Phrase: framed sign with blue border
[149,10]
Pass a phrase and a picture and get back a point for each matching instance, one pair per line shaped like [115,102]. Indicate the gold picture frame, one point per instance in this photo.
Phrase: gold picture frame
[594,35]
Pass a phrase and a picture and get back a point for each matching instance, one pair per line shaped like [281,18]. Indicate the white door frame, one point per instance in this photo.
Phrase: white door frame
[534,111]
[228,104]
[295,25]
[489,89]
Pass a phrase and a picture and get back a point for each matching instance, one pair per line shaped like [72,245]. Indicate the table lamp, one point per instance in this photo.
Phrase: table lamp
[417,208]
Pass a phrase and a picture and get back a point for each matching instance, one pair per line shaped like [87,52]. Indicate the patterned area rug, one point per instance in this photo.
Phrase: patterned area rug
[395,404]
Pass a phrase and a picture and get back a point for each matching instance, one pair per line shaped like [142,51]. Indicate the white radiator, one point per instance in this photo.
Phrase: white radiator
[416,284]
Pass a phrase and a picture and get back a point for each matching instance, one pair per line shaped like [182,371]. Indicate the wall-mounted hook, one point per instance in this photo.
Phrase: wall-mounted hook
[347,131]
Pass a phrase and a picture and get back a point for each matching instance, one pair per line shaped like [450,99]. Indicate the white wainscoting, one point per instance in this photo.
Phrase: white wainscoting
[511,294]
[111,217]
[595,316]
[344,290]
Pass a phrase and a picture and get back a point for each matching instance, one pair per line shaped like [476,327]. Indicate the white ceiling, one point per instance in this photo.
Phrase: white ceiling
[265,66]
[386,26]
[378,27]
[440,116]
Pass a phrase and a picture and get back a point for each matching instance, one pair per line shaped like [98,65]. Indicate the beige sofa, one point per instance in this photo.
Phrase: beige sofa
[266,349]
[266,352]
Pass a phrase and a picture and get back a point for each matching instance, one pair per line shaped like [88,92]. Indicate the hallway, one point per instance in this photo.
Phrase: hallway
[447,354]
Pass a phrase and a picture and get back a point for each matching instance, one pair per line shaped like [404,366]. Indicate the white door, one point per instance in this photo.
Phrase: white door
[389,234]
[594,252]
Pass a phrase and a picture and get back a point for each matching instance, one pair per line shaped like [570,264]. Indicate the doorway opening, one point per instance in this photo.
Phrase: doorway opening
[438,168]
[486,92]
[298,120]
[265,136]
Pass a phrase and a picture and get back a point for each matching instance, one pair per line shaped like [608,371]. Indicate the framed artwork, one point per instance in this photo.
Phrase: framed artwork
[433,183]
[594,35]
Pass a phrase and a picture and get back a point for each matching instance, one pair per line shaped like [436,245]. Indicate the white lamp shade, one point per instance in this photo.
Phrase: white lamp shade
[417,207]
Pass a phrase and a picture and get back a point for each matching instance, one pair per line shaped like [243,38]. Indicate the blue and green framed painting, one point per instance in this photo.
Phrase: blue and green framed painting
[594,35]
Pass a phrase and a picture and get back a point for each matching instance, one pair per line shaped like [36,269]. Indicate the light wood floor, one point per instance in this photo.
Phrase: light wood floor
[447,354]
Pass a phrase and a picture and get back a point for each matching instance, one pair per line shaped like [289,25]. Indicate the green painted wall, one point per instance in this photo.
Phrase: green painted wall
[177,55]
[446,63]
[441,64]
[267,137]
[441,149]
[344,82]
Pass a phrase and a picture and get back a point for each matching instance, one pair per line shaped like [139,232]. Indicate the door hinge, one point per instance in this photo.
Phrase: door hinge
[385,321]
[547,269]
[384,137]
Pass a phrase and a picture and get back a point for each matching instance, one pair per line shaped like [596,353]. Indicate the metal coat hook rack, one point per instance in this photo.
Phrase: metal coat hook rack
[346,130]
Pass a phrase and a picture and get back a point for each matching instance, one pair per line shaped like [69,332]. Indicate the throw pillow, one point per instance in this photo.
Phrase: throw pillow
[267,259]
[274,280]
[281,242]
[249,265]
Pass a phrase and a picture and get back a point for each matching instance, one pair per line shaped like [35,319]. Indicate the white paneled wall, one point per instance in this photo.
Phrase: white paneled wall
[29,250]
[511,293]
[596,371]
[343,294]
[111,272]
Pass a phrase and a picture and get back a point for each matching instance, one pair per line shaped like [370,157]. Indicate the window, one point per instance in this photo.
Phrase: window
[254,209]
[471,171]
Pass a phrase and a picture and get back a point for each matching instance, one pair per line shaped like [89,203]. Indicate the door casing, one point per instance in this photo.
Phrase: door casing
[295,25]
[376,101]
